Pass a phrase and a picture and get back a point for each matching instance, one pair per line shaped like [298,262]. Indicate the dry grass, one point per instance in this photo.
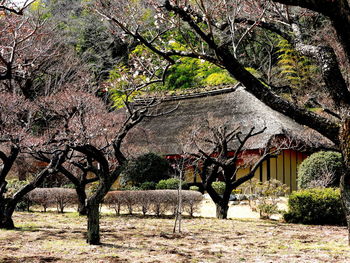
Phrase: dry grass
[52,237]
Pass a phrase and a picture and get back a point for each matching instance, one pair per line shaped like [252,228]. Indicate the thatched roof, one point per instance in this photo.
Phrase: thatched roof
[233,106]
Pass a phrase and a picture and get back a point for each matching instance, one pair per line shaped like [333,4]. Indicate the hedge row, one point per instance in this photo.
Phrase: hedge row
[157,202]
[48,197]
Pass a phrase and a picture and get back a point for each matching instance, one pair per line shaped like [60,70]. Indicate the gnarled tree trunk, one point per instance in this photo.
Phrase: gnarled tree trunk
[6,211]
[93,205]
[81,200]
[8,205]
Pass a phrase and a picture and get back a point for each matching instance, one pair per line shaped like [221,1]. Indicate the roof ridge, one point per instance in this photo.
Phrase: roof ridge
[190,95]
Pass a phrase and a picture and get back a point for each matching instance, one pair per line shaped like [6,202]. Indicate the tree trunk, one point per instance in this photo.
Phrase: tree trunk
[93,232]
[345,194]
[221,210]
[6,211]
[81,200]
[345,179]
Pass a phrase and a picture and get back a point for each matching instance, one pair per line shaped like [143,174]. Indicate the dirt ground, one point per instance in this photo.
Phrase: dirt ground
[52,237]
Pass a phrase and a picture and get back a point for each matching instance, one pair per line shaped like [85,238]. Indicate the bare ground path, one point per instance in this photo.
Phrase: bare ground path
[52,237]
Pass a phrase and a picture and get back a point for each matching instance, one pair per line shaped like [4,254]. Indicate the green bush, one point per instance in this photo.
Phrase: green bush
[171,183]
[320,206]
[145,168]
[321,169]
[148,186]
[219,187]
[194,188]
[130,188]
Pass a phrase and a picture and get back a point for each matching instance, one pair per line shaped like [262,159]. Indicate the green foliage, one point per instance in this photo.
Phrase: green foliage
[219,78]
[316,206]
[69,186]
[93,188]
[13,186]
[148,186]
[267,196]
[146,168]
[270,191]
[194,188]
[321,169]
[130,188]
[123,85]
[267,209]
[271,188]
[171,183]
[236,191]
[182,75]
[296,69]
[40,8]
[190,73]
[219,187]
[81,28]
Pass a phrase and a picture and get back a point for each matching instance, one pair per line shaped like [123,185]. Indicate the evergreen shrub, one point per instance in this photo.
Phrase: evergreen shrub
[219,187]
[148,186]
[321,169]
[146,168]
[318,206]
[171,183]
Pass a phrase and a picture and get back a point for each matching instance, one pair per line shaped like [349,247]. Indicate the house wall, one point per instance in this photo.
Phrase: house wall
[283,168]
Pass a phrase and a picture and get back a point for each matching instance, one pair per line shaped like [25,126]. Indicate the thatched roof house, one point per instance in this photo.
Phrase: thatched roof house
[233,106]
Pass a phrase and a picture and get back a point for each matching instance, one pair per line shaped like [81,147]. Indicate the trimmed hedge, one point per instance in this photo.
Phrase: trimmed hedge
[321,206]
[321,169]
[157,202]
[59,197]
[171,183]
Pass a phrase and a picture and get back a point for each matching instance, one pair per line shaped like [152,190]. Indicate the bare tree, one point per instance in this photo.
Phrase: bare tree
[8,205]
[179,166]
[15,7]
[26,44]
[212,27]
[107,171]
[220,154]
[94,135]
